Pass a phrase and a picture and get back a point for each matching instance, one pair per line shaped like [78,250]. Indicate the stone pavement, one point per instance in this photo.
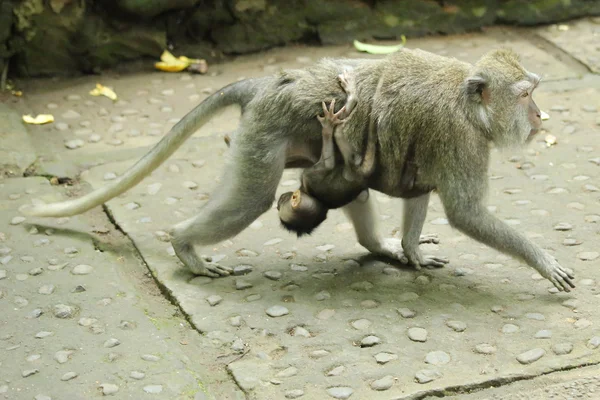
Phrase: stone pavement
[315,318]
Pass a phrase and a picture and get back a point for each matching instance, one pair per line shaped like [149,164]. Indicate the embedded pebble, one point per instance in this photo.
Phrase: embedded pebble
[46,289]
[369,304]
[326,314]
[340,392]
[582,323]
[241,284]
[417,334]
[69,375]
[277,311]
[63,311]
[361,324]
[74,144]
[407,296]
[485,348]
[272,242]
[242,269]
[535,316]
[150,357]
[383,384]
[62,356]
[370,341]
[29,372]
[562,348]
[294,393]
[406,312]
[427,375]
[326,247]
[34,314]
[299,331]
[531,356]
[288,372]
[336,371]
[563,226]
[318,354]
[214,299]
[510,328]
[109,389]
[17,220]
[137,375]
[112,342]
[594,342]
[457,326]
[36,271]
[437,358]
[571,242]
[384,358]
[273,275]
[82,269]
[43,334]
[588,255]
[87,321]
[543,334]
[298,267]
[246,253]
[153,389]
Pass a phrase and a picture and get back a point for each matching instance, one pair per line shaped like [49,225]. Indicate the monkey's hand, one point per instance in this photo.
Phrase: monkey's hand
[560,277]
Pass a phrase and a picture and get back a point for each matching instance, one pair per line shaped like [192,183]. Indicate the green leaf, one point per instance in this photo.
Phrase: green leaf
[379,49]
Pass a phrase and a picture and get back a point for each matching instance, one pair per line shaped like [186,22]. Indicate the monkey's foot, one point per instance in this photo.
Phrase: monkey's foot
[330,118]
[186,253]
[347,83]
[346,80]
[392,248]
[560,277]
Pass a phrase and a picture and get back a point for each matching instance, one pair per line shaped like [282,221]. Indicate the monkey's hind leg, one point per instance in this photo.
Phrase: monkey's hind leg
[247,191]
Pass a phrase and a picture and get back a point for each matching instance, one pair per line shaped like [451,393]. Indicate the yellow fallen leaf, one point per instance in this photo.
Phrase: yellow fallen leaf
[169,63]
[379,49]
[563,28]
[167,57]
[17,93]
[171,67]
[38,120]
[104,91]
[550,140]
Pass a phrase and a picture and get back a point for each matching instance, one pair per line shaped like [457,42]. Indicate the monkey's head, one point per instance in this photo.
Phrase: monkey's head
[300,213]
[500,91]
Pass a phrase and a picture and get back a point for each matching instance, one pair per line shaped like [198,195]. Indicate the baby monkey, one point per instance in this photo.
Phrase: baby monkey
[323,186]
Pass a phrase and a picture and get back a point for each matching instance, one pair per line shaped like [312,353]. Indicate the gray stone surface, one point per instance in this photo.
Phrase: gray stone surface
[480,313]
[74,344]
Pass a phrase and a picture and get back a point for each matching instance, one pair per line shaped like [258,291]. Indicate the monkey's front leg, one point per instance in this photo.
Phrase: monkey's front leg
[472,218]
[363,215]
[415,211]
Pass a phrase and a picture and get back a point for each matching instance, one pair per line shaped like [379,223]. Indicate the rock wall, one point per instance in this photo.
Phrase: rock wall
[62,37]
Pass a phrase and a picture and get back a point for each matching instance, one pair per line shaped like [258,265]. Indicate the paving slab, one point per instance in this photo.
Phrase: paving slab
[79,316]
[580,38]
[318,318]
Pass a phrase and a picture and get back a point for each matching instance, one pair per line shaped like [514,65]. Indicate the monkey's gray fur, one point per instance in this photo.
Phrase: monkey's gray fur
[441,112]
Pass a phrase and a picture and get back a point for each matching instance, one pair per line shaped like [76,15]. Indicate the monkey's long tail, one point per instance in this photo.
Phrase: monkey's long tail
[237,93]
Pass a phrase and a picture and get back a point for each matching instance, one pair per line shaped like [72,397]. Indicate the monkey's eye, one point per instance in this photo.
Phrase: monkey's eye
[525,94]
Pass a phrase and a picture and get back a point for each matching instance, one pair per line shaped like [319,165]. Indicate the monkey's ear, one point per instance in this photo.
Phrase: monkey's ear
[477,88]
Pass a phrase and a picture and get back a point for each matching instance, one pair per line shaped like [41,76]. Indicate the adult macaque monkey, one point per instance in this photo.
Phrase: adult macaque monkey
[437,112]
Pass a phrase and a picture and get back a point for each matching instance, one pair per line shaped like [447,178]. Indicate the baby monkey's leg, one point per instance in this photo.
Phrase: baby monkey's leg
[351,158]
[329,121]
